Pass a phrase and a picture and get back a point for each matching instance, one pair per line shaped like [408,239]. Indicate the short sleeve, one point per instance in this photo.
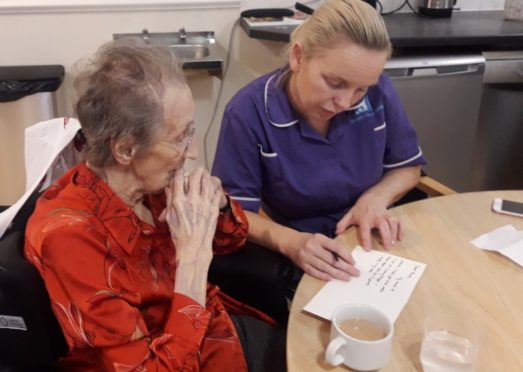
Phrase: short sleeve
[237,160]
[402,146]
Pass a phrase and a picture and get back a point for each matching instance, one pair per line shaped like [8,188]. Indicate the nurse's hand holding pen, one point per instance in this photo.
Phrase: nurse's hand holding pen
[324,258]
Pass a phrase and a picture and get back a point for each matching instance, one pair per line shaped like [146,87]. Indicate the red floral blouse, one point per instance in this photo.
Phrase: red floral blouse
[110,278]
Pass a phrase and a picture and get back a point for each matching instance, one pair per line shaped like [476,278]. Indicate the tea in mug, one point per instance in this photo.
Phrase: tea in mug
[362,329]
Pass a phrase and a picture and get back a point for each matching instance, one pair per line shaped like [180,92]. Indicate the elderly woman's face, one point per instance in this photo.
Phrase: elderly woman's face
[334,80]
[156,166]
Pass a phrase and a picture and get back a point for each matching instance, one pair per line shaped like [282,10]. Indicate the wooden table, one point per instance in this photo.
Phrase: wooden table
[459,277]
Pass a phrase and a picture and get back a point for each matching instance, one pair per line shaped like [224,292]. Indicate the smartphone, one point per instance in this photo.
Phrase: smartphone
[507,207]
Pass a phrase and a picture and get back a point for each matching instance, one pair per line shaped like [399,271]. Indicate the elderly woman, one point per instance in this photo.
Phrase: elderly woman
[322,143]
[124,240]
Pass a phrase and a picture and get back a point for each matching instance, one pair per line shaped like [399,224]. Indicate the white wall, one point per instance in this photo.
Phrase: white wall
[65,37]
[249,4]
[480,4]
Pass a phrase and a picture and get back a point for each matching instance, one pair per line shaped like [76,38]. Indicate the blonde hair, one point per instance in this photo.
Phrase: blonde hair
[337,21]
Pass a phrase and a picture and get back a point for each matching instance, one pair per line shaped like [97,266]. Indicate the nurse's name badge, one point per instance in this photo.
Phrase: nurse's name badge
[363,107]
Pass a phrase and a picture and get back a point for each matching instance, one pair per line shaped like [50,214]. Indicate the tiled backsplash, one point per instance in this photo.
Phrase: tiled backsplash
[481,4]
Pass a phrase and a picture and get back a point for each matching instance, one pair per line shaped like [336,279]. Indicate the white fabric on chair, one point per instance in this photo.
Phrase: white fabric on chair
[49,152]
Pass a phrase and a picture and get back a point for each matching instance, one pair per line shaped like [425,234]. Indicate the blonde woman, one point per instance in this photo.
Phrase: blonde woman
[321,144]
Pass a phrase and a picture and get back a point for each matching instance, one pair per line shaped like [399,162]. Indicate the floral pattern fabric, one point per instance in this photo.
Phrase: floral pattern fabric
[110,278]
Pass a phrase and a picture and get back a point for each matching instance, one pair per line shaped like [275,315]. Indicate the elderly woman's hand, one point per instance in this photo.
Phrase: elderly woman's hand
[323,258]
[217,183]
[371,213]
[191,213]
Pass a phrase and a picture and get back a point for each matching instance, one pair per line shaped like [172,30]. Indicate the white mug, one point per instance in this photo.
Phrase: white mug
[358,353]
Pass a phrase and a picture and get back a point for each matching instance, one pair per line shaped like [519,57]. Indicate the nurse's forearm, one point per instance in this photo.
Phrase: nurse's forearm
[394,185]
[273,235]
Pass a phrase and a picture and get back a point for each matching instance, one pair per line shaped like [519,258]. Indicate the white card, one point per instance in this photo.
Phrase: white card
[506,240]
[386,281]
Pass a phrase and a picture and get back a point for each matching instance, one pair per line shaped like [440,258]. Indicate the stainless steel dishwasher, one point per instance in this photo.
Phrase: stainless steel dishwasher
[499,148]
[442,97]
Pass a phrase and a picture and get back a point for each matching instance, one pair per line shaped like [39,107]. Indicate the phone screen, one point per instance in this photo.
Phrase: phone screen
[511,206]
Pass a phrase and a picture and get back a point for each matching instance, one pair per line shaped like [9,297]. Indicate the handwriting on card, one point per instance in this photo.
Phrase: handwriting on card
[385,273]
[386,281]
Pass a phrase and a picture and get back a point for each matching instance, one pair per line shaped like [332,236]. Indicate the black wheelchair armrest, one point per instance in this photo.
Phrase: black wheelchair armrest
[256,276]
[23,295]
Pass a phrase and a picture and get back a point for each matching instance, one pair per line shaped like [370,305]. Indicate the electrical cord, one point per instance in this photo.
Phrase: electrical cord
[392,11]
[220,90]
[407,3]
[412,8]
[380,11]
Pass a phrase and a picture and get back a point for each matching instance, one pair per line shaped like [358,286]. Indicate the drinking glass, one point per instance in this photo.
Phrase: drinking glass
[450,344]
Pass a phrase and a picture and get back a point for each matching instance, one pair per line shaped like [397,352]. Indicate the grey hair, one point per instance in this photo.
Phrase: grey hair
[121,96]
[337,21]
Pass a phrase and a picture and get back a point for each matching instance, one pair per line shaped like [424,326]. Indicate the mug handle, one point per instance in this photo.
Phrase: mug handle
[331,354]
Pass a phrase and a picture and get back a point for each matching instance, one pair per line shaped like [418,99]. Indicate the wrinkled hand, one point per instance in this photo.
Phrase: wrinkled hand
[191,214]
[369,214]
[217,184]
[324,258]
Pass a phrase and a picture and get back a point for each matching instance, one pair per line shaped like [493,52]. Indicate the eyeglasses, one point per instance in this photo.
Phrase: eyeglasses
[185,142]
